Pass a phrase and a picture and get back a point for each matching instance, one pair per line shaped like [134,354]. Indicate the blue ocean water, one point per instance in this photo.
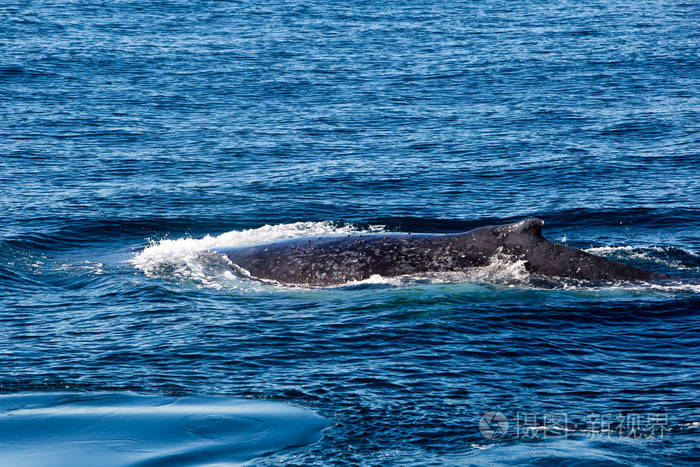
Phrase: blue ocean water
[135,135]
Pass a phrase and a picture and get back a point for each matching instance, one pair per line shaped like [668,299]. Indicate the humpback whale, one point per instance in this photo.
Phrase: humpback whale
[336,260]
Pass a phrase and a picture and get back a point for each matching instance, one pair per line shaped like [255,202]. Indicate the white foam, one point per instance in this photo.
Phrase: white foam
[649,254]
[603,250]
[675,287]
[502,270]
[94,267]
[408,280]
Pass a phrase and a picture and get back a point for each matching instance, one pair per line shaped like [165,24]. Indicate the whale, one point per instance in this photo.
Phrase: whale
[340,259]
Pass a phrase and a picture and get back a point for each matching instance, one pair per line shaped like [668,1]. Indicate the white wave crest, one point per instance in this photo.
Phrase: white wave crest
[645,254]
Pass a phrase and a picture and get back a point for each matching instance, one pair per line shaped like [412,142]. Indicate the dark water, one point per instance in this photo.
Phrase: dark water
[179,126]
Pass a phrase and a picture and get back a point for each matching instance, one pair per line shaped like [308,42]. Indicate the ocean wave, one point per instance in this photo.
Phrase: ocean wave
[671,257]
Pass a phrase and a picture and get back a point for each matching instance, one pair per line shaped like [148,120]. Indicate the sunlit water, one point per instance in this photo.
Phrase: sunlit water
[135,139]
[77,429]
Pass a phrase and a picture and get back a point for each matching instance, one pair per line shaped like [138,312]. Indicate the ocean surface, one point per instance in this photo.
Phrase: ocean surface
[137,136]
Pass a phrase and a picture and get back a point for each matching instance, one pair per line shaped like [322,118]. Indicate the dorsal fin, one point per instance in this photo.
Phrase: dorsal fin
[530,226]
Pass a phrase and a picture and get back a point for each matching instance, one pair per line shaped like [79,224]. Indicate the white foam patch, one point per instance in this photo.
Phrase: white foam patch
[675,287]
[622,286]
[502,270]
[93,267]
[650,254]
[661,255]
[641,253]
[408,280]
